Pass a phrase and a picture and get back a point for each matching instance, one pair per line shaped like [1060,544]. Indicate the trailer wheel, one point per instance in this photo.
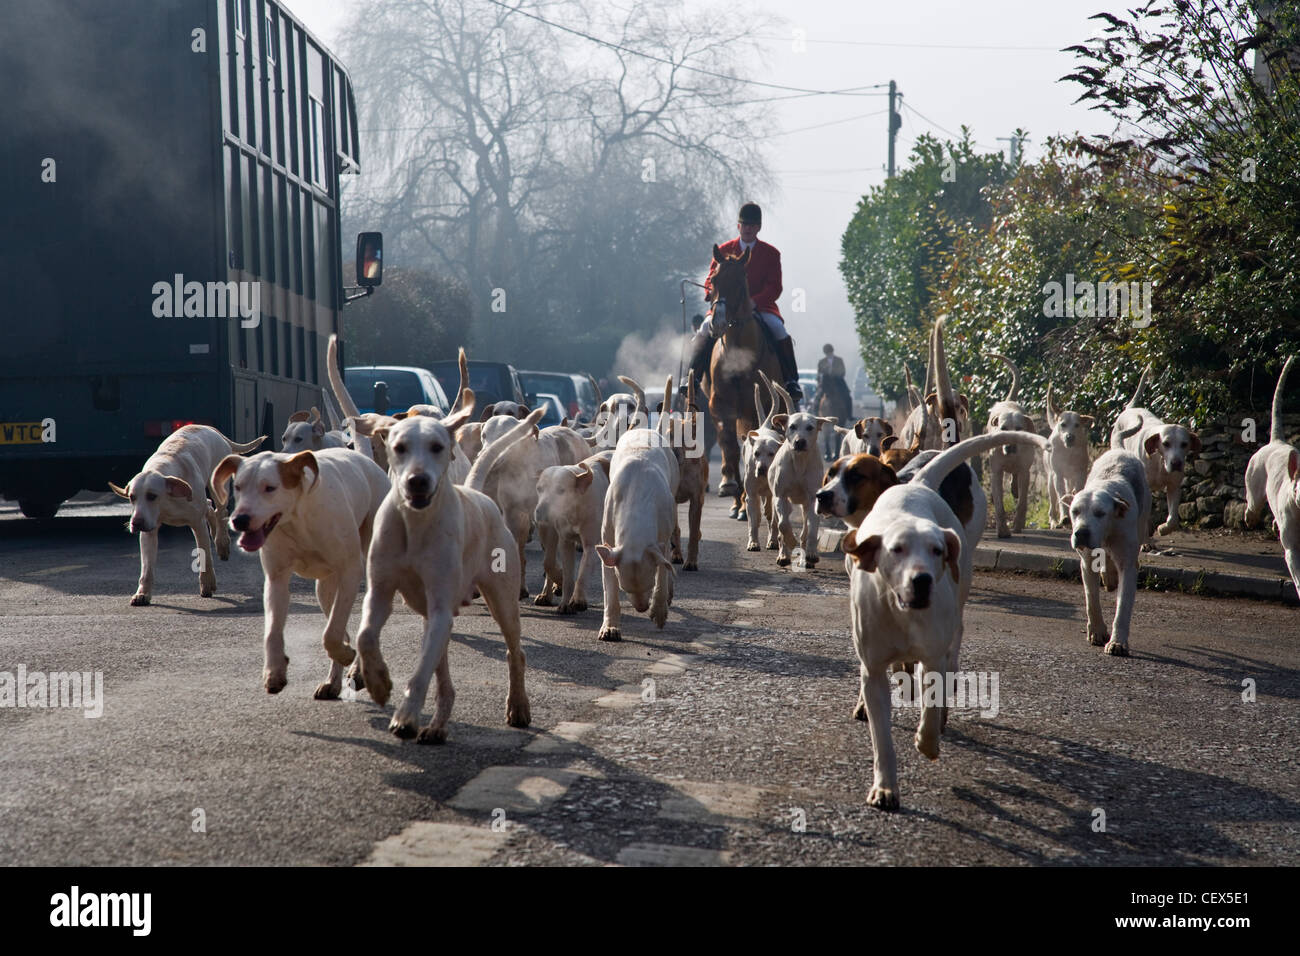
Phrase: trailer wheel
[39,507]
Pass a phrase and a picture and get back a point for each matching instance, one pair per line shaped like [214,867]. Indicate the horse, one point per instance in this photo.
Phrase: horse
[833,401]
[741,350]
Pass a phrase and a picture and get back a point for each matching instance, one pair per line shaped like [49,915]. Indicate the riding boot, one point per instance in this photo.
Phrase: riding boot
[789,369]
[701,351]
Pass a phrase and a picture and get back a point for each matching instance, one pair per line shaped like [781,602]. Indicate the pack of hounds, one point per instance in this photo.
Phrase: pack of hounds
[437,505]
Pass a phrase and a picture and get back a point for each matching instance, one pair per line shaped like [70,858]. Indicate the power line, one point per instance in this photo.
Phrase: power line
[916,46]
[847,119]
[848,91]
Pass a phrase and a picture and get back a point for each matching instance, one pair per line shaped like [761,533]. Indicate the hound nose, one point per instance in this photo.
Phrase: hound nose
[240,522]
[1081,538]
[1068,439]
[824,498]
[762,470]
[800,444]
[418,484]
[1178,464]
[921,585]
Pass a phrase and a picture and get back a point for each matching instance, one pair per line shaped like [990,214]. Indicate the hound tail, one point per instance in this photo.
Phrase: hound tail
[493,451]
[1015,375]
[638,393]
[244,449]
[1051,412]
[1137,393]
[937,470]
[596,385]
[1276,432]
[942,380]
[341,396]
[463,362]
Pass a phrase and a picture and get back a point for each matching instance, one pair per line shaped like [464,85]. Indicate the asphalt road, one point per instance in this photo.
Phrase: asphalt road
[725,738]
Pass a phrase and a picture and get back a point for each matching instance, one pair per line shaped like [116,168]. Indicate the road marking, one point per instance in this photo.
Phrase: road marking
[671,664]
[437,844]
[749,602]
[625,697]
[64,569]
[664,854]
[565,737]
[517,789]
[701,802]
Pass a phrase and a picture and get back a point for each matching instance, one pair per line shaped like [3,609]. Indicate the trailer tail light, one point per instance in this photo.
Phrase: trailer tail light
[161,429]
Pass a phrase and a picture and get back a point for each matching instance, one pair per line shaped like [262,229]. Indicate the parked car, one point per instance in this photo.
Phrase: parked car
[491,381]
[568,388]
[808,383]
[393,388]
[866,402]
[554,409]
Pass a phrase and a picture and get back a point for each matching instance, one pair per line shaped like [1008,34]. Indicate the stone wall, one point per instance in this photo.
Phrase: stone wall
[1214,491]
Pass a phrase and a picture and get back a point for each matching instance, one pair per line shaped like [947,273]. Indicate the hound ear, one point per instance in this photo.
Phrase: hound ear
[584,476]
[524,412]
[752,436]
[123,493]
[888,442]
[299,417]
[224,471]
[828,421]
[780,421]
[953,558]
[315,414]
[609,556]
[317,426]
[1121,507]
[1152,444]
[859,427]
[401,416]
[487,412]
[660,558]
[1196,442]
[291,470]
[1088,420]
[179,488]
[864,553]
[889,429]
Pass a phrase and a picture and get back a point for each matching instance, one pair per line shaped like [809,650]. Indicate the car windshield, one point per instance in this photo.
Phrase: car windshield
[552,383]
[404,389]
[485,380]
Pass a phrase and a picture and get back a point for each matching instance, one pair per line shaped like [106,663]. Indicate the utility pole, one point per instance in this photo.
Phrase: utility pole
[895,123]
[1015,139]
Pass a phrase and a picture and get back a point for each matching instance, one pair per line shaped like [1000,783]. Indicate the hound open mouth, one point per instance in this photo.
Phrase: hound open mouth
[419,502]
[916,604]
[254,538]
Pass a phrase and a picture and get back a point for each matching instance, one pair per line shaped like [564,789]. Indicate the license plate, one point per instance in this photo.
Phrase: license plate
[20,433]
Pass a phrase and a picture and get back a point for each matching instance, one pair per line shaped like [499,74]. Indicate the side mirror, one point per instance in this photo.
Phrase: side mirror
[530,400]
[381,398]
[370,259]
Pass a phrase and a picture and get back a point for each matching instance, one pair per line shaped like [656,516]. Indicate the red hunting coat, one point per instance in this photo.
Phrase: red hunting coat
[763,272]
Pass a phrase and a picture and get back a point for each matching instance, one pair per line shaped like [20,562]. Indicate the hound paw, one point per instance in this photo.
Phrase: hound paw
[691,566]
[275,681]
[1169,527]
[223,550]
[518,713]
[782,561]
[140,599]
[860,711]
[753,546]
[207,590]
[543,600]
[927,748]
[811,560]
[523,593]
[677,557]
[377,681]
[431,735]
[742,515]
[1109,581]
[659,615]
[1116,649]
[1004,532]
[882,798]
[772,546]
[734,513]
[1098,638]
[326,691]
[405,729]
[609,634]
[354,675]
[573,607]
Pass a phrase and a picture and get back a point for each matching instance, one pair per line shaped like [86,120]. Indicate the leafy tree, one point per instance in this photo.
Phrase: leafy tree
[900,242]
[415,318]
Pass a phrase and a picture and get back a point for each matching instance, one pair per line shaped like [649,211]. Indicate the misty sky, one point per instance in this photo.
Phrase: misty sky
[989,64]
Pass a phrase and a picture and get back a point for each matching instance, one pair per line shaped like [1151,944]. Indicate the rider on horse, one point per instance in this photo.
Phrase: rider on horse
[830,377]
[763,273]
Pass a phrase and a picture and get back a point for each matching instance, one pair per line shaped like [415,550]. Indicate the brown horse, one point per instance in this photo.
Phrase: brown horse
[740,351]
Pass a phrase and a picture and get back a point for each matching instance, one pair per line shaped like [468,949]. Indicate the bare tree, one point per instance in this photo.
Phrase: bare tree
[566,181]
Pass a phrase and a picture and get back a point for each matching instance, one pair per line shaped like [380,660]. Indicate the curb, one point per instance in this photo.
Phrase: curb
[1151,577]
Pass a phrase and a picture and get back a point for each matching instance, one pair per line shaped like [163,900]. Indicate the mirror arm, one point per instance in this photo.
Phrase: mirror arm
[353,292]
